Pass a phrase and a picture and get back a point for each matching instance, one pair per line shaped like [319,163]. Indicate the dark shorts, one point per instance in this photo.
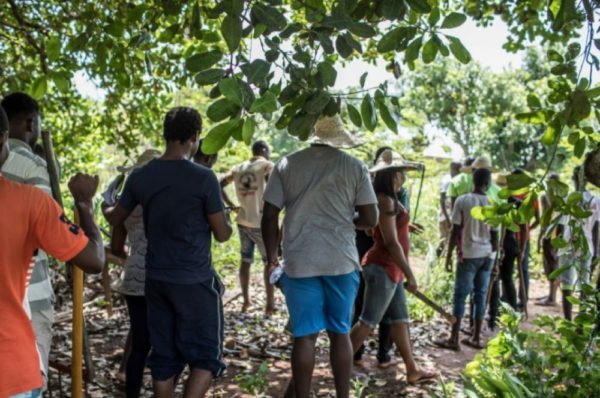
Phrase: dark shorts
[185,323]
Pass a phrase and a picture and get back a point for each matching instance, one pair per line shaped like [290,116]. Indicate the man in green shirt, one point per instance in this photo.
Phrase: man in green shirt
[463,183]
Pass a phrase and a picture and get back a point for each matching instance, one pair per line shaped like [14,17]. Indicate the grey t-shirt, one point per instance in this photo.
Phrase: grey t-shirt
[318,187]
[475,234]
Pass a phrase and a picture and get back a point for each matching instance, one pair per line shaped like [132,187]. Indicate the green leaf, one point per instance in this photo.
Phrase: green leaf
[230,88]
[555,56]
[265,104]
[53,46]
[302,125]
[434,17]
[518,181]
[420,6]
[580,146]
[389,41]
[231,29]
[537,117]
[316,103]
[248,130]
[362,29]
[204,60]
[550,135]
[442,48]
[39,87]
[363,79]
[430,50]
[557,272]
[367,110]
[342,46]
[458,50]
[218,136]
[256,71]
[387,117]
[533,101]
[62,82]
[412,51]
[270,16]
[392,9]
[354,115]
[454,20]
[209,76]
[328,73]
[221,110]
[580,105]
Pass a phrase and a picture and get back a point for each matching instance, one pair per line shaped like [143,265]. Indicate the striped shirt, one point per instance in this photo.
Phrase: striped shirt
[23,166]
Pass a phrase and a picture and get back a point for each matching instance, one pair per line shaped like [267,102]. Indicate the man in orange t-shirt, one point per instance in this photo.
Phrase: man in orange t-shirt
[32,220]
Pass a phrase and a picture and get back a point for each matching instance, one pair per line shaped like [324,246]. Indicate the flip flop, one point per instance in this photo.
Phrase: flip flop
[466,330]
[472,344]
[443,343]
[546,303]
[425,377]
[388,364]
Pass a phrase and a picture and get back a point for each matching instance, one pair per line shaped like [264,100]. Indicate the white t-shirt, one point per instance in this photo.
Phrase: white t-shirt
[250,179]
[475,242]
[444,189]
[319,187]
[591,203]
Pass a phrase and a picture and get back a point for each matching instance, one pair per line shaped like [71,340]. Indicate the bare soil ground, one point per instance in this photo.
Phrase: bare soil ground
[251,340]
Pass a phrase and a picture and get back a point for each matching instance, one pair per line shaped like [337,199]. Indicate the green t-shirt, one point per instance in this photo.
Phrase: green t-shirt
[463,184]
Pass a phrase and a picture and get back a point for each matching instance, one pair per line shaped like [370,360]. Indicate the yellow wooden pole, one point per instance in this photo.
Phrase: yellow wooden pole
[77,331]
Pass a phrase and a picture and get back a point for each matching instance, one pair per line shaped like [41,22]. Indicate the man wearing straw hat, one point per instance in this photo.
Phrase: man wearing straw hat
[463,183]
[326,195]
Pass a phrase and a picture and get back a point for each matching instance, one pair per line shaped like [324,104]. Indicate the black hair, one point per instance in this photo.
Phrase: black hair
[455,165]
[469,161]
[383,183]
[199,154]
[518,171]
[258,147]
[3,121]
[181,124]
[19,105]
[482,177]
[553,176]
[380,151]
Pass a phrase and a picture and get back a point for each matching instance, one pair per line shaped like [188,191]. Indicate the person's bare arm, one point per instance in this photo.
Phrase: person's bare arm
[117,241]
[443,199]
[269,225]
[226,180]
[367,217]
[91,258]
[220,226]
[387,227]
[595,239]
[452,244]
[452,202]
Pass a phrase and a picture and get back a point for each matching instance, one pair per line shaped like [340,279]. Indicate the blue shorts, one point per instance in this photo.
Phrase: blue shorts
[29,394]
[320,303]
[185,325]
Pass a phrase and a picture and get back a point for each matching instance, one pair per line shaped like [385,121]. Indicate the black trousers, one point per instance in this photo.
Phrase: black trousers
[140,345]
[385,338]
[507,267]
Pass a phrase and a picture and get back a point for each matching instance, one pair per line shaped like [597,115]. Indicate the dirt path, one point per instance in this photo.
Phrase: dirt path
[253,340]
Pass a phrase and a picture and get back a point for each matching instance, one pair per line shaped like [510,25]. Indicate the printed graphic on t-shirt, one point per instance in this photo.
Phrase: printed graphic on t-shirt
[248,184]
[74,229]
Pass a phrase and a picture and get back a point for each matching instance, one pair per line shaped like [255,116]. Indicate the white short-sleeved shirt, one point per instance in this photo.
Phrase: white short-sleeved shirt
[443,189]
[319,187]
[476,237]
[591,203]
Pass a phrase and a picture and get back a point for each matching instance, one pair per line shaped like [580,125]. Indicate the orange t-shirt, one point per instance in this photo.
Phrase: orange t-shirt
[29,219]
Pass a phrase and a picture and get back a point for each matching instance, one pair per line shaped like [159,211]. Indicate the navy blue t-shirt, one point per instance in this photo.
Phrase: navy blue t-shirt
[176,196]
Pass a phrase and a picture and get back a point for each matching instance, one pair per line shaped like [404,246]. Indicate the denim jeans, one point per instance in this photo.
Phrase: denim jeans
[472,275]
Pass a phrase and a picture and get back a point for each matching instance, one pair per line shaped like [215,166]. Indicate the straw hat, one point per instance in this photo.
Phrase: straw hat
[144,158]
[330,131]
[502,180]
[482,162]
[392,160]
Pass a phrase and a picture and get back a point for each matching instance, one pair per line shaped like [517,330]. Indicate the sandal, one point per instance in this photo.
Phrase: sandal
[424,377]
[473,344]
[446,344]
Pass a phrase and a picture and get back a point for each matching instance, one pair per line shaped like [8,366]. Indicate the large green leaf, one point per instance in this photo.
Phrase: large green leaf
[302,125]
[389,41]
[218,136]
[387,116]
[362,29]
[392,9]
[248,130]
[39,87]
[458,50]
[342,46]
[221,110]
[231,29]
[420,6]
[367,110]
[256,71]
[316,103]
[453,20]
[580,105]
[270,16]
[518,181]
[265,104]
[430,50]
[204,60]
[230,88]
[354,115]
[328,73]
[412,51]
[210,76]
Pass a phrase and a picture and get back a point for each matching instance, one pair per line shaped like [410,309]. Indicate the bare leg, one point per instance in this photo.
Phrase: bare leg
[358,335]
[289,392]
[553,289]
[198,383]
[303,362]
[270,290]
[452,341]
[245,283]
[401,337]
[566,304]
[164,388]
[340,356]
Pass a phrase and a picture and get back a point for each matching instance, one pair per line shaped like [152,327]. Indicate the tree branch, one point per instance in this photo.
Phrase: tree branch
[40,49]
